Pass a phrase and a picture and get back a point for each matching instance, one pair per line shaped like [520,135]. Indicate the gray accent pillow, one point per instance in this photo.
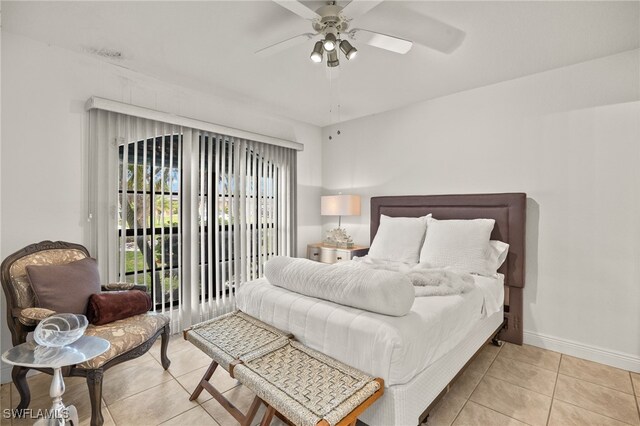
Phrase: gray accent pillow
[65,288]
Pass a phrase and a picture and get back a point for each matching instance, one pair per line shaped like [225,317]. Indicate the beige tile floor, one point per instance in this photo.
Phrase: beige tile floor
[511,385]
[517,385]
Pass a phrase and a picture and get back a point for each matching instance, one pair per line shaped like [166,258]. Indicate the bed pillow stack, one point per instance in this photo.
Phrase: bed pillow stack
[399,239]
[459,244]
[463,245]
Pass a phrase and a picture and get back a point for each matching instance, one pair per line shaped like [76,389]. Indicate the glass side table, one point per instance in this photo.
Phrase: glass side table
[30,354]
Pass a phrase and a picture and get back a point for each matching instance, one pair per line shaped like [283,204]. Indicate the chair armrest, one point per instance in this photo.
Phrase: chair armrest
[122,286]
[32,316]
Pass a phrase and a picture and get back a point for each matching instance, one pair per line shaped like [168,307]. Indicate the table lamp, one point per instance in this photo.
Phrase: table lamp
[339,205]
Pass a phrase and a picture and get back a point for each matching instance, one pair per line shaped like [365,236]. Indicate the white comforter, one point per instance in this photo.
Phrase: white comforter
[393,348]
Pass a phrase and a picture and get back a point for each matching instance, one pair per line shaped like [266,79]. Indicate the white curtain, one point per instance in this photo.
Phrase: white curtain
[189,214]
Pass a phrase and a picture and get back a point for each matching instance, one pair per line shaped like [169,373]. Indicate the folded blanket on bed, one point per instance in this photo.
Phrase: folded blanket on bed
[426,281]
[439,282]
[375,290]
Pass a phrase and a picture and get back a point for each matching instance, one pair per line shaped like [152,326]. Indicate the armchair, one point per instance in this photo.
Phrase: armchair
[129,338]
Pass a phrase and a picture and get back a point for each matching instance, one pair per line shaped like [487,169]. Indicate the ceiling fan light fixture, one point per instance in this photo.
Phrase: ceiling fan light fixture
[332,59]
[329,42]
[316,55]
[349,51]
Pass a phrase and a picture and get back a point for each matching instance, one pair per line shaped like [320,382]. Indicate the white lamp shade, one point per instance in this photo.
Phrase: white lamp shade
[340,205]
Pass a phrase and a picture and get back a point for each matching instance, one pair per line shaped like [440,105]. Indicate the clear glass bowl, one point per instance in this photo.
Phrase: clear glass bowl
[60,329]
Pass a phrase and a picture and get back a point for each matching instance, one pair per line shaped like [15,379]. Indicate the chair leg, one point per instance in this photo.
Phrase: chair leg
[94,382]
[19,376]
[163,347]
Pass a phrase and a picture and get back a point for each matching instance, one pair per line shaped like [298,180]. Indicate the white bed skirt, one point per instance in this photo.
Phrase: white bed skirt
[402,405]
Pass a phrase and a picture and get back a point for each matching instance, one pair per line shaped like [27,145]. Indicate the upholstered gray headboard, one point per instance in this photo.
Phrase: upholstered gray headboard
[509,212]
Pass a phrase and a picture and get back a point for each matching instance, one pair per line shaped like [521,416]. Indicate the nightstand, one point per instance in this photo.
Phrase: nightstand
[326,254]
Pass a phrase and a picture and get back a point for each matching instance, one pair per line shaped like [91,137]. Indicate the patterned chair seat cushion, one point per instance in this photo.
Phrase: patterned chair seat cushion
[124,335]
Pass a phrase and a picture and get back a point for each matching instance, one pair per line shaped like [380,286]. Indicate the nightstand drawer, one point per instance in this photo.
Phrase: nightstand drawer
[325,254]
[343,255]
[313,253]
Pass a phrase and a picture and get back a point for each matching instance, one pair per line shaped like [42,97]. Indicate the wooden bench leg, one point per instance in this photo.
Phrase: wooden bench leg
[198,390]
[268,416]
[283,418]
[253,410]
[243,419]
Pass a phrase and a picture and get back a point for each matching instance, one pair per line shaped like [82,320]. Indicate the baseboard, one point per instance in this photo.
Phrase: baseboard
[580,350]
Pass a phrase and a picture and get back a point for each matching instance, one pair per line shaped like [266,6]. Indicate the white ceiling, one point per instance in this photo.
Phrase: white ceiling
[208,46]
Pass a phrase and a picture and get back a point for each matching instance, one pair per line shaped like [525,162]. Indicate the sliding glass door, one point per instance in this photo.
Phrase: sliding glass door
[194,213]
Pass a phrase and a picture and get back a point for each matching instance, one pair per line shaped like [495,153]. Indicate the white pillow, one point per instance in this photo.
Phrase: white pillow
[498,251]
[399,239]
[460,244]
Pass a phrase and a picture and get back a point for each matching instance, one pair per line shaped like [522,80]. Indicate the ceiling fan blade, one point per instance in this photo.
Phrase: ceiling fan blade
[298,8]
[359,7]
[381,41]
[421,29]
[284,44]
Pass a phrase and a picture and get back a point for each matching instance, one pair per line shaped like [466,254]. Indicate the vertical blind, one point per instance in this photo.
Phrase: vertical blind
[187,213]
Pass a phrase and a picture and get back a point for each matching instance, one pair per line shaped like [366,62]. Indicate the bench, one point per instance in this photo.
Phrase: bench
[299,385]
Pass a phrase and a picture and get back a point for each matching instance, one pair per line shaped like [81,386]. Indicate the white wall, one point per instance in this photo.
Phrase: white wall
[570,139]
[44,141]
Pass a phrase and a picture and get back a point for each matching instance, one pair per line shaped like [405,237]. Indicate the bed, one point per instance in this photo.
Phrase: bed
[401,350]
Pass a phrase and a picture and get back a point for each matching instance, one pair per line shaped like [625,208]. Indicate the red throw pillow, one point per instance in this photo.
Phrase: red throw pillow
[116,305]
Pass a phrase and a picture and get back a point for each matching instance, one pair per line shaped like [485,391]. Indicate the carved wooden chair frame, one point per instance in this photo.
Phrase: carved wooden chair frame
[19,333]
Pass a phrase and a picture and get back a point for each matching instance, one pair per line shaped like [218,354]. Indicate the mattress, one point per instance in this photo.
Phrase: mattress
[395,349]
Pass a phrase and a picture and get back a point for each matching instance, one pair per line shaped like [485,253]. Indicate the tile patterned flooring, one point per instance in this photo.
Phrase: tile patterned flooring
[511,385]
[518,385]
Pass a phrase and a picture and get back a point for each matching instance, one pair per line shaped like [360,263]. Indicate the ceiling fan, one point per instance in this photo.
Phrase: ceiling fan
[332,23]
